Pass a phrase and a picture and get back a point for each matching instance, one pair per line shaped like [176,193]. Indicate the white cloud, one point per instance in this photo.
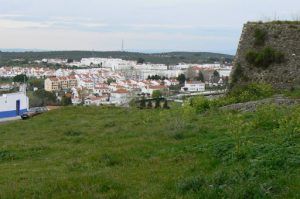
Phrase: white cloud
[102,24]
[13,24]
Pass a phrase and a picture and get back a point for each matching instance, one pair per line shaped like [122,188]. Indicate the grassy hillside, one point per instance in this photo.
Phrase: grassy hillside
[90,152]
[163,58]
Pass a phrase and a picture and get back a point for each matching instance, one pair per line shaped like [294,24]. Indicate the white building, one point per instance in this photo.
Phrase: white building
[171,82]
[13,104]
[119,97]
[150,89]
[97,101]
[193,86]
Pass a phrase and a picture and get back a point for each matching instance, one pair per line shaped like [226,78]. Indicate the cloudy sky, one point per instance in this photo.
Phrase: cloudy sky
[144,25]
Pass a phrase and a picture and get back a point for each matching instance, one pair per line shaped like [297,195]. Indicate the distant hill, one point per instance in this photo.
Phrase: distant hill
[159,58]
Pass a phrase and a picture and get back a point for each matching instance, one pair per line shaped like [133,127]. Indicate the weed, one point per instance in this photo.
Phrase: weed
[191,184]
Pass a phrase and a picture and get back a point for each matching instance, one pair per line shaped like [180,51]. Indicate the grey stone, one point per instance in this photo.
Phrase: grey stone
[281,37]
[252,105]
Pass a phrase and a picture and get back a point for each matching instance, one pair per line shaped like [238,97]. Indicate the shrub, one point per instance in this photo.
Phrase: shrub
[156,94]
[149,105]
[192,184]
[266,117]
[264,58]
[201,104]
[6,155]
[237,73]
[239,94]
[250,92]
[260,36]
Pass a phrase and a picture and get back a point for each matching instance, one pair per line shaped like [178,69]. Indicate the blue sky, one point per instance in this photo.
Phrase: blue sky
[156,25]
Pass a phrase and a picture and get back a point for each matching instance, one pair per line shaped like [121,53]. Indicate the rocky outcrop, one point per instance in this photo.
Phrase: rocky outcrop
[252,106]
[284,37]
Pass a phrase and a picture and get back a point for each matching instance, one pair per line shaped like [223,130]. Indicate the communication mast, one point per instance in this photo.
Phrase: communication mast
[122,48]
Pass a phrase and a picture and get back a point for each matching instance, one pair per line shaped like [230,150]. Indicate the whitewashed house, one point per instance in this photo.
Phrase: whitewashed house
[97,101]
[101,89]
[193,86]
[171,82]
[119,97]
[150,89]
[76,101]
[13,104]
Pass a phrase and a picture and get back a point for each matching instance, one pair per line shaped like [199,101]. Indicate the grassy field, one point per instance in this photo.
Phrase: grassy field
[90,152]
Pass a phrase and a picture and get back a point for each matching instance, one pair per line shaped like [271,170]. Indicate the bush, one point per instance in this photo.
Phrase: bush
[260,36]
[237,73]
[156,94]
[250,92]
[201,104]
[264,58]
[240,94]
[42,98]
[66,100]
[192,184]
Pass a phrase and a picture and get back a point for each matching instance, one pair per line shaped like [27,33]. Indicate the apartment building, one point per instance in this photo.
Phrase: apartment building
[60,83]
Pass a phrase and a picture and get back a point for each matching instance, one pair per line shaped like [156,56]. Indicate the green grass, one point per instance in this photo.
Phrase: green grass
[90,152]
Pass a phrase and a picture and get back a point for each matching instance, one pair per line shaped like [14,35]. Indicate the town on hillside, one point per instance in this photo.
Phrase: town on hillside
[99,81]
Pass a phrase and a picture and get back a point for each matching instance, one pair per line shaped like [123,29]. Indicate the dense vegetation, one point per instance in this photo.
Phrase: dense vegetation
[239,94]
[265,57]
[107,152]
[163,58]
[260,37]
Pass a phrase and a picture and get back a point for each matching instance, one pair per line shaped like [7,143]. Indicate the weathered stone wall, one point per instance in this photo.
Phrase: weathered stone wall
[283,37]
[252,105]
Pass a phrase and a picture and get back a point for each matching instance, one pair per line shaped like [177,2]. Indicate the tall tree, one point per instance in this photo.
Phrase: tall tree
[140,60]
[157,103]
[143,103]
[200,76]
[166,106]
[20,78]
[181,78]
[66,100]
[149,105]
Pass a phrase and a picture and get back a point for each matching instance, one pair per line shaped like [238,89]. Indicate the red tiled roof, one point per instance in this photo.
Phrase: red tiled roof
[53,78]
[157,87]
[195,82]
[121,91]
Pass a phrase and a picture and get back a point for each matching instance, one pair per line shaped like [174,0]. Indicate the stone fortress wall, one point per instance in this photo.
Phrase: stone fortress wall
[281,37]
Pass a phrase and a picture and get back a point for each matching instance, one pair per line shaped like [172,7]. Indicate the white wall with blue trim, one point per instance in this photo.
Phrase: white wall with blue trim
[13,104]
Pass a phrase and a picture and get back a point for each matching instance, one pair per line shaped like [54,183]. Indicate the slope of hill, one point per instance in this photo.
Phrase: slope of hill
[162,58]
[90,152]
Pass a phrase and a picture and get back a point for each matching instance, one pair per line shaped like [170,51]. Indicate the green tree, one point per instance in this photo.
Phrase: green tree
[200,76]
[149,105]
[166,106]
[143,103]
[20,78]
[181,78]
[110,80]
[156,94]
[157,103]
[38,83]
[216,77]
[216,74]
[66,100]
[42,98]
[140,61]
